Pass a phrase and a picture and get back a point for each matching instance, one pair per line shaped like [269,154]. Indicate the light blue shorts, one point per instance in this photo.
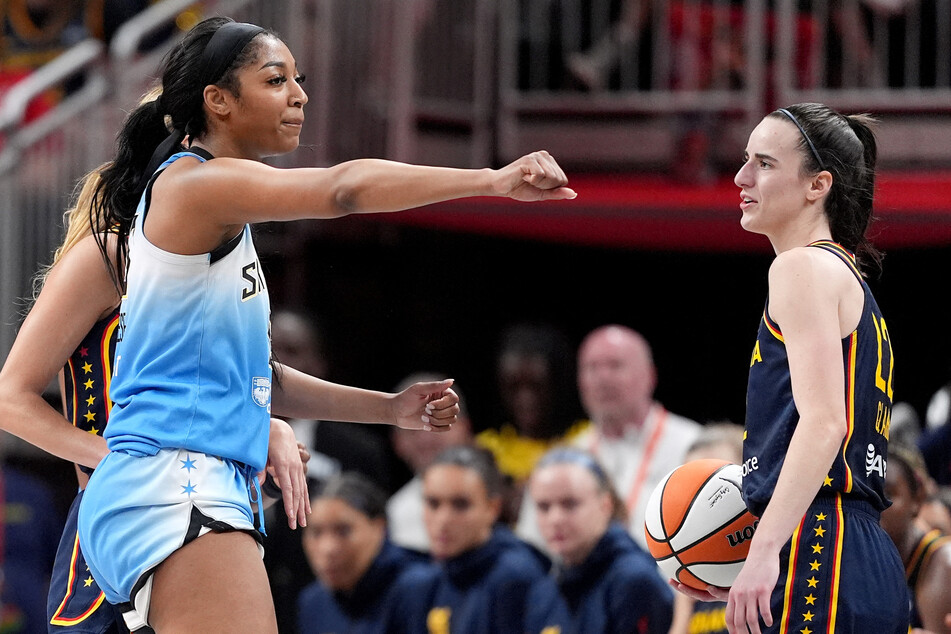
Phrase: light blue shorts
[138,510]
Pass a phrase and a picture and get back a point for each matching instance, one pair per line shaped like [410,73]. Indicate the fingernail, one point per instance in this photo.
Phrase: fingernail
[427,428]
[425,418]
[429,408]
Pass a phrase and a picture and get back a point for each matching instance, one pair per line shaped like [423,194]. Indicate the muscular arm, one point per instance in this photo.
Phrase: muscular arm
[215,198]
[806,299]
[78,292]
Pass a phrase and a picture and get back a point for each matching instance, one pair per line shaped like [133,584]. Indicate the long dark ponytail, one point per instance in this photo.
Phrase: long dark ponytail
[177,113]
[843,145]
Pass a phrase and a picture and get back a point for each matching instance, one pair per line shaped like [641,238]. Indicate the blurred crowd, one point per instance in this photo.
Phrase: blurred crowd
[530,522]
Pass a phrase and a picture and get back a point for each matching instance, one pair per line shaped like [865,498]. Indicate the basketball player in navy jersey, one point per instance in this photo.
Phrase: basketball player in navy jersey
[820,389]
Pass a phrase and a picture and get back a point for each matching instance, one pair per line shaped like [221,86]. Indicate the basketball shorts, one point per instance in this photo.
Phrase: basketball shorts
[75,603]
[840,573]
[138,510]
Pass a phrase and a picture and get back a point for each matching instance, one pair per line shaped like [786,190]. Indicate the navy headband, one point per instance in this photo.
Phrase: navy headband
[222,49]
[812,147]
[571,455]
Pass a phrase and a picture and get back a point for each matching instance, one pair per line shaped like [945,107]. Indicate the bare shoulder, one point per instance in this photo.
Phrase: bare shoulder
[805,268]
[82,275]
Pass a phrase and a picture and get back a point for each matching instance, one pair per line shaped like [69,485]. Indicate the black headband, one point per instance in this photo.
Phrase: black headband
[222,49]
[220,52]
[572,455]
[812,147]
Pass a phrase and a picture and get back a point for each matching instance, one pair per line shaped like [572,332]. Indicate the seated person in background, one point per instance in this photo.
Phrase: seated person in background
[357,568]
[723,441]
[632,436]
[925,553]
[297,340]
[404,509]
[608,583]
[483,575]
[535,375]
[30,526]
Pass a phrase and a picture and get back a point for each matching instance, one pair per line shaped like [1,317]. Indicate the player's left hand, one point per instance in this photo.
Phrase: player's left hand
[750,594]
[712,593]
[428,405]
[286,463]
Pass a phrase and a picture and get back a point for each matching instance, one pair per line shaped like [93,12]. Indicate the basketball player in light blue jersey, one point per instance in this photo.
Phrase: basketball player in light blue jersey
[73,326]
[820,389]
[167,523]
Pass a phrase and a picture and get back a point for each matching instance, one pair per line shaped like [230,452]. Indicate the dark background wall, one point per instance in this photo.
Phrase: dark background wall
[395,300]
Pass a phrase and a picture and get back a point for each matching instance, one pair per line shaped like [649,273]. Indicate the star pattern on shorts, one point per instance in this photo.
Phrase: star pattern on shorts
[827,482]
[188,488]
[188,464]
[817,548]
[94,430]
[805,630]
[814,565]
[87,582]
[808,615]
[813,582]
[89,416]
[91,400]
[84,352]
[810,599]
[88,384]
[820,532]
[87,368]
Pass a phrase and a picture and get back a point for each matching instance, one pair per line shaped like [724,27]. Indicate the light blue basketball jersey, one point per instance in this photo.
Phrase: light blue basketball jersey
[192,361]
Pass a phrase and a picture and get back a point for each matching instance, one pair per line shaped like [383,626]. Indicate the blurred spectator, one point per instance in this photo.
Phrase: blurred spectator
[417,449]
[535,373]
[357,568]
[636,439]
[297,340]
[722,441]
[484,576]
[29,535]
[925,553]
[935,441]
[609,584]
[34,32]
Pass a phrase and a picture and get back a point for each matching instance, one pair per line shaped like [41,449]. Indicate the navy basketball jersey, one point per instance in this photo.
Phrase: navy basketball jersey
[858,471]
[86,378]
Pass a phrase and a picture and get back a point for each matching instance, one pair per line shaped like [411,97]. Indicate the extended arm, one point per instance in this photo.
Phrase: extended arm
[77,292]
[232,192]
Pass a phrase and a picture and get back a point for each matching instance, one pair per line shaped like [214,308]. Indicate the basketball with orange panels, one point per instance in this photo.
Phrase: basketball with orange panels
[698,527]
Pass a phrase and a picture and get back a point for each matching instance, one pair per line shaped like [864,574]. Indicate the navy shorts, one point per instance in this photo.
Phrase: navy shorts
[76,604]
[840,573]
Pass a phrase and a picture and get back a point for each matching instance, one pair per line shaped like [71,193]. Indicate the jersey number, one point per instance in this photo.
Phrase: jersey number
[250,273]
[886,363]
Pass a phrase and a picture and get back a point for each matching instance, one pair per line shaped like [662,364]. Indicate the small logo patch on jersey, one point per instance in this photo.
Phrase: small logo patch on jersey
[261,390]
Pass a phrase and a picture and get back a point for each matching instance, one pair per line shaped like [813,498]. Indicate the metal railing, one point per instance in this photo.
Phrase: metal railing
[864,55]
[606,82]
[40,162]
[472,82]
